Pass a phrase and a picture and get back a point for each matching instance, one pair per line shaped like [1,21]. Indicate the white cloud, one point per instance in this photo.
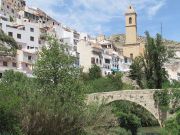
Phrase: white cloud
[91,15]
[155,8]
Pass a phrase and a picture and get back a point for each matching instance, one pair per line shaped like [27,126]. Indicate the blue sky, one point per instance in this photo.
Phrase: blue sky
[107,16]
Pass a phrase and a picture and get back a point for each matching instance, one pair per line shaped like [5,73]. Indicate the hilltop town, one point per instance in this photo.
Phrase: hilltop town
[28,26]
[55,80]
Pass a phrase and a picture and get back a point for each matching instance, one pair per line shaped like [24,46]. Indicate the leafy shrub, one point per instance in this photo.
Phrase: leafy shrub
[9,110]
[117,80]
[85,76]
[172,126]
[162,99]
[105,84]
[95,72]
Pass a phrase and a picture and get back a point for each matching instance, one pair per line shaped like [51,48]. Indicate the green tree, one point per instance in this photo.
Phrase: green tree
[172,126]
[129,122]
[136,72]
[57,107]
[116,81]
[105,84]
[55,64]
[100,120]
[162,98]
[152,63]
[9,106]
[13,97]
[95,72]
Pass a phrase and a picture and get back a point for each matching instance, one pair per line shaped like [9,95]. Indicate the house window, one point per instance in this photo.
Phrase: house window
[100,61]
[178,76]
[19,36]
[107,61]
[14,64]
[10,34]
[92,60]
[105,73]
[67,50]
[32,29]
[31,38]
[130,20]
[97,61]
[131,56]
[29,57]
[5,63]
[125,60]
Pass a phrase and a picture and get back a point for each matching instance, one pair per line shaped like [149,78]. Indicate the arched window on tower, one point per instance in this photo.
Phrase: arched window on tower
[130,20]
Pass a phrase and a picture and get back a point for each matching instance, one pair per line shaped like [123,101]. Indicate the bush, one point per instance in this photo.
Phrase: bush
[85,77]
[130,122]
[105,84]
[10,123]
[117,80]
[173,84]
[119,131]
[95,72]
[162,99]
[9,111]
[172,126]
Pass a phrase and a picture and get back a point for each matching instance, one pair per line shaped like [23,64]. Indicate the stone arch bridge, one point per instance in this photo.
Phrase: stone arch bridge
[144,98]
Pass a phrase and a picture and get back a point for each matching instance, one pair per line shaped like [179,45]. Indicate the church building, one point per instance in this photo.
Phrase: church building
[132,47]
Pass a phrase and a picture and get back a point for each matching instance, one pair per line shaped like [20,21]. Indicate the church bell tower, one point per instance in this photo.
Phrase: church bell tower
[131,26]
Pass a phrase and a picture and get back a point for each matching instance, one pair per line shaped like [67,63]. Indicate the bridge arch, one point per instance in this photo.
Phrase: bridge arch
[159,122]
[144,98]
